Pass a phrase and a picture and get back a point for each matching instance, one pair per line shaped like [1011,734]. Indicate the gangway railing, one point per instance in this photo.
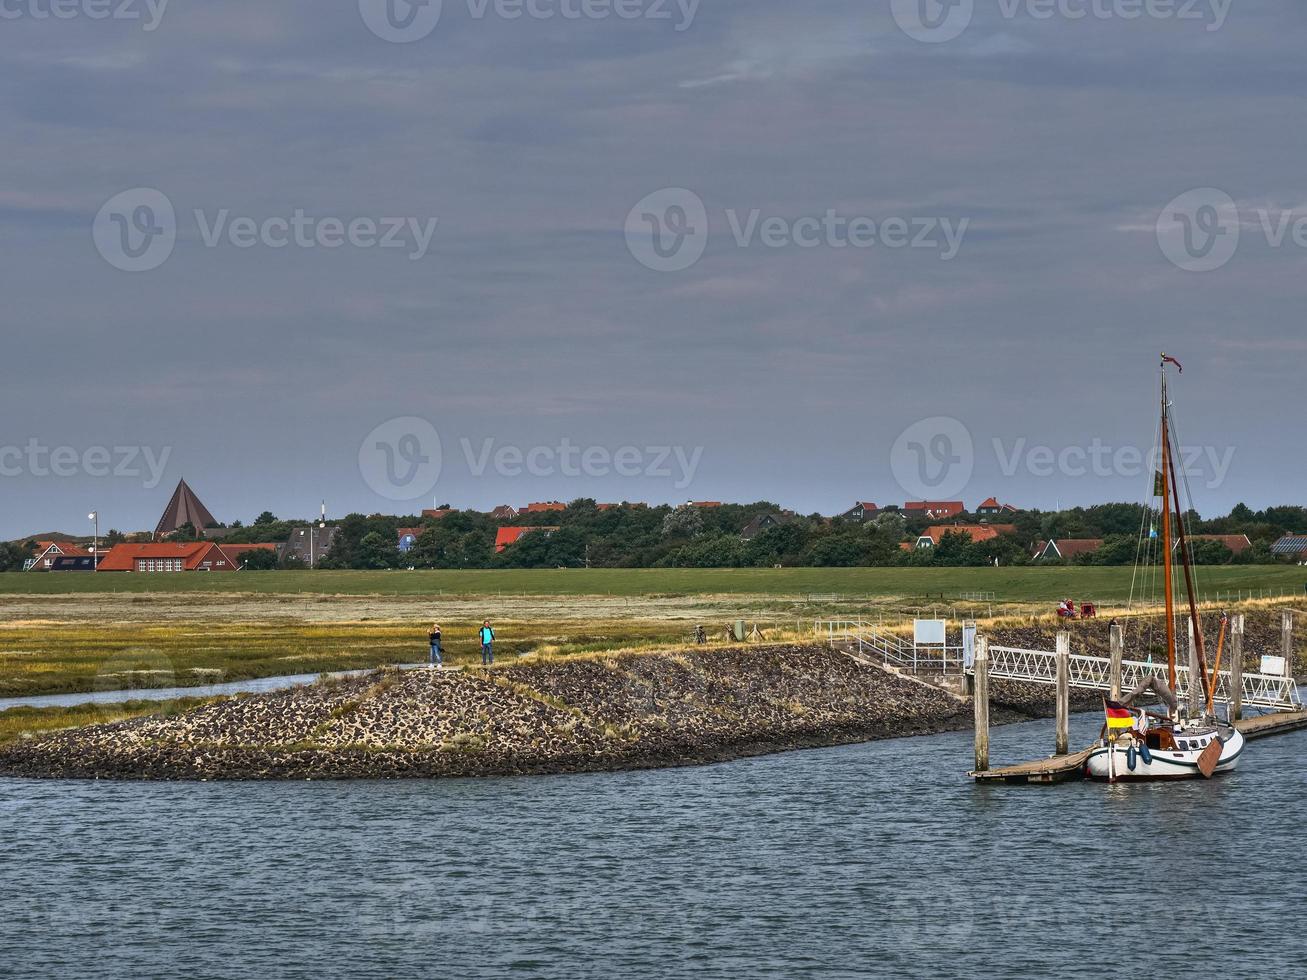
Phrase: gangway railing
[1095,674]
[894,651]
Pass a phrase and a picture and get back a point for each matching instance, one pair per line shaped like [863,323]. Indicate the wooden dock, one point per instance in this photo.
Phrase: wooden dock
[1276,724]
[1055,769]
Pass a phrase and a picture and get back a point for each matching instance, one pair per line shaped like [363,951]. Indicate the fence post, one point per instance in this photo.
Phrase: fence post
[1236,667]
[1117,640]
[981,700]
[1062,743]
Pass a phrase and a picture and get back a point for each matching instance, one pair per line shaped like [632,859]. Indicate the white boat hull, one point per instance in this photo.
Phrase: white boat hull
[1114,762]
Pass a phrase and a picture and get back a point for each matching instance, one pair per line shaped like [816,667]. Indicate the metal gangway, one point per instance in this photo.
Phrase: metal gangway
[909,656]
[1095,673]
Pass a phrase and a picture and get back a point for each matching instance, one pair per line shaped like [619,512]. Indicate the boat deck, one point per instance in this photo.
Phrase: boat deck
[1064,768]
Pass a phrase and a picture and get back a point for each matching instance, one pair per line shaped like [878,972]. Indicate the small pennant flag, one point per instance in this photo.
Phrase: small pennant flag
[1152,531]
[1118,715]
[1172,360]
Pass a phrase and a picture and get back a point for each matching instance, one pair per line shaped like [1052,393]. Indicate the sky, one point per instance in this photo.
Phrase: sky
[487,251]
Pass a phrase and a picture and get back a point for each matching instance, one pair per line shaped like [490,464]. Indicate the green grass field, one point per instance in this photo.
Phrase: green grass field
[1007,584]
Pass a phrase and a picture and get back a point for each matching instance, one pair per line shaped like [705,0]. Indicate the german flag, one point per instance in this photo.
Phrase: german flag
[1118,715]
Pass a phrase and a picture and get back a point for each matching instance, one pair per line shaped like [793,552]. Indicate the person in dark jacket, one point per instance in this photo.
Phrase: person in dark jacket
[437,652]
[487,644]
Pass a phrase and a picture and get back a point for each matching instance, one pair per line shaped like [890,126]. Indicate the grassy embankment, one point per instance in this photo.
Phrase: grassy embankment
[1009,584]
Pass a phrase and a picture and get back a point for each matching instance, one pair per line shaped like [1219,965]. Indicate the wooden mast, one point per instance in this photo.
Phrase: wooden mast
[1189,583]
[1166,541]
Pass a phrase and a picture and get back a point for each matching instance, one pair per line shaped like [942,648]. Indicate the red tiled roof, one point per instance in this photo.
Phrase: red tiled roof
[1237,543]
[436,515]
[1072,547]
[542,507]
[977,532]
[234,551]
[705,503]
[937,508]
[510,535]
[193,554]
[65,548]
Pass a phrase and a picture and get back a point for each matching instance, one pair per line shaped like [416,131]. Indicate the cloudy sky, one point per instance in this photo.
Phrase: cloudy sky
[735,250]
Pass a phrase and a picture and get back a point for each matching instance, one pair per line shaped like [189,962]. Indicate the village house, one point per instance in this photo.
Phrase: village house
[861,511]
[307,546]
[932,536]
[440,513]
[408,538]
[764,522]
[1063,549]
[992,508]
[1291,546]
[1237,543]
[167,556]
[935,510]
[543,508]
[504,513]
[47,552]
[506,536]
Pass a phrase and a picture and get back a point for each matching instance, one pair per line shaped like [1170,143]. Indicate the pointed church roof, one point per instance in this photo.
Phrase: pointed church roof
[184,508]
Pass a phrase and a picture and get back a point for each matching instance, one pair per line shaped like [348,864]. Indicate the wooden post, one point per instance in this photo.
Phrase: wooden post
[981,699]
[1063,740]
[1236,666]
[1117,640]
[1286,641]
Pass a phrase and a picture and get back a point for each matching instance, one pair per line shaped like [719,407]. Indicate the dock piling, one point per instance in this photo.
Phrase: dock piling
[1117,640]
[1063,739]
[981,699]
[1236,667]
[1286,641]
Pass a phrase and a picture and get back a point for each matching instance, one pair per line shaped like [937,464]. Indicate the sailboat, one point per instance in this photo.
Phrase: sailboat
[1188,741]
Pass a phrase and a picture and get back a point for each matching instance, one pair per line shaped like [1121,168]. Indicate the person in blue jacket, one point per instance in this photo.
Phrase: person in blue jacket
[487,644]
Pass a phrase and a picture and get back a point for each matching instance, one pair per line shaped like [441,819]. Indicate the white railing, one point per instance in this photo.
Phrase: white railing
[1095,674]
[893,651]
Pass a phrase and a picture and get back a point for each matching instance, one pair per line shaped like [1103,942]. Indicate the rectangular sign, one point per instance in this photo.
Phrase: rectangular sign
[1273,666]
[928,632]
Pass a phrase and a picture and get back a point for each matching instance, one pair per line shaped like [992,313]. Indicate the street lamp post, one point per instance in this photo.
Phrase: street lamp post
[95,548]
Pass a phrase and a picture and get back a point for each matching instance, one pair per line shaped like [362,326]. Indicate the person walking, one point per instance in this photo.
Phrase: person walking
[487,644]
[437,652]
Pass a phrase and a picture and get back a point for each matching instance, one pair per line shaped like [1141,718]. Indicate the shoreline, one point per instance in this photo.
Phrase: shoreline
[638,711]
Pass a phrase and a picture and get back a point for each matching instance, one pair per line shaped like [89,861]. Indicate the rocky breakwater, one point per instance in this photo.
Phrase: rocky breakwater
[545,716]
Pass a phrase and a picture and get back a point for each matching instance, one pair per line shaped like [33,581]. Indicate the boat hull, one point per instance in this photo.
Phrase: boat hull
[1162,765]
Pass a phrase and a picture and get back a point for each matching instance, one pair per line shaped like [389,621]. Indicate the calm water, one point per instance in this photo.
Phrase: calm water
[870,860]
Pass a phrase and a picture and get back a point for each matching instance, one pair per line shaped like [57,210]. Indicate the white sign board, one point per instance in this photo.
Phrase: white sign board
[928,632]
[1273,666]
